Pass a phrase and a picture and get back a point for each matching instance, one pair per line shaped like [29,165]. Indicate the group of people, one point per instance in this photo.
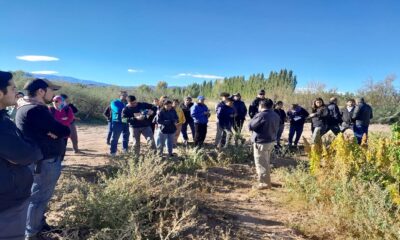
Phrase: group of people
[33,144]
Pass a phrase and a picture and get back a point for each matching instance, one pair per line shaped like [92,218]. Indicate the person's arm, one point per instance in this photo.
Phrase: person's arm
[43,120]
[107,113]
[74,109]
[17,150]
[194,112]
[183,118]
[252,109]
[70,116]
[256,122]
[245,110]
[356,113]
[371,115]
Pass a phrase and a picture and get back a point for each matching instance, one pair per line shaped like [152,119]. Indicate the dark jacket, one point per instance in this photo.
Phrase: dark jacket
[197,111]
[334,117]
[166,121]
[347,116]
[241,109]
[253,108]
[186,111]
[320,117]
[264,127]
[282,115]
[73,108]
[141,108]
[362,114]
[15,154]
[297,116]
[225,115]
[107,113]
[36,122]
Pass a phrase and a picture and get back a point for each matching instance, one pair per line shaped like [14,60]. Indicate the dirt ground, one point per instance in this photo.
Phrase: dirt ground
[231,204]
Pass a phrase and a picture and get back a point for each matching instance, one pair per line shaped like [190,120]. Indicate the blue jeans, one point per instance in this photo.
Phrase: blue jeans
[109,132]
[42,190]
[169,138]
[13,222]
[117,129]
[359,132]
[184,130]
[295,129]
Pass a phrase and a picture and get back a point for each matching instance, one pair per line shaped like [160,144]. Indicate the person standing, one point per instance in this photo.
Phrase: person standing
[253,108]
[241,112]
[334,119]
[188,119]
[74,131]
[319,119]
[220,134]
[107,115]
[119,124]
[139,115]
[362,116]
[282,115]
[264,126]
[225,115]
[200,114]
[166,120]
[347,114]
[297,117]
[36,122]
[12,110]
[181,119]
[16,153]
[155,106]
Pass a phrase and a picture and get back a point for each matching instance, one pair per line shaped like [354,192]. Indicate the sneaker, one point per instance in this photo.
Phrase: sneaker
[261,186]
[185,142]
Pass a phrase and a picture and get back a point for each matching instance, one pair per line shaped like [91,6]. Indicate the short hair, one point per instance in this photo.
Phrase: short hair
[266,103]
[224,94]
[131,98]
[350,100]
[229,99]
[279,102]
[166,102]
[176,100]
[5,78]
[64,96]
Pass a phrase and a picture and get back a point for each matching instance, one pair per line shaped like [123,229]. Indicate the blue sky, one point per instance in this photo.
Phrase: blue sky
[341,43]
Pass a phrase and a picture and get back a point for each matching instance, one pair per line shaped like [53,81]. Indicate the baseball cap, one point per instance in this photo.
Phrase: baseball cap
[37,83]
[201,98]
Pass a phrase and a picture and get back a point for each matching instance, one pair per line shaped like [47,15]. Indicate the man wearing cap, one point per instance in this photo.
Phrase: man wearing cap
[362,116]
[264,127]
[119,124]
[253,108]
[200,114]
[185,106]
[36,122]
[241,112]
[220,134]
[16,153]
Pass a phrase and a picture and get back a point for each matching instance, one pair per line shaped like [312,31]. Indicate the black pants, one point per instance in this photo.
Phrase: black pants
[334,128]
[200,134]
[238,125]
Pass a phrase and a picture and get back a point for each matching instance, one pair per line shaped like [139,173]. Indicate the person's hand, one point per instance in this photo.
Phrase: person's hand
[52,135]
[64,118]
[150,112]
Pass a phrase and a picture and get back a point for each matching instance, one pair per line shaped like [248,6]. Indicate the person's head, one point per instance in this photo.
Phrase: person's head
[132,100]
[350,102]
[360,100]
[188,100]
[19,95]
[279,105]
[261,94]
[201,99]
[65,98]
[295,105]
[229,101]
[156,101]
[223,96]
[7,90]
[265,104]
[41,89]
[162,99]
[123,95]
[333,100]
[167,104]
[175,102]
[237,97]
[318,102]
[58,102]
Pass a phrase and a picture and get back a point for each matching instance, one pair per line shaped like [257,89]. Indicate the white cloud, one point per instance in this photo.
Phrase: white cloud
[196,75]
[44,72]
[36,58]
[131,70]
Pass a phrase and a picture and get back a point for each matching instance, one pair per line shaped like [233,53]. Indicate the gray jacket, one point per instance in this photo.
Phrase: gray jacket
[362,114]
[264,126]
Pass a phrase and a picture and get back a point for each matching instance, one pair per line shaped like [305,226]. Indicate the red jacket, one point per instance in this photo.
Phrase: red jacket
[64,116]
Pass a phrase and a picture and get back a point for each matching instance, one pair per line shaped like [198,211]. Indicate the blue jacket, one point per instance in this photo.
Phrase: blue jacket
[197,112]
[225,116]
[16,154]
[167,120]
[241,109]
[116,110]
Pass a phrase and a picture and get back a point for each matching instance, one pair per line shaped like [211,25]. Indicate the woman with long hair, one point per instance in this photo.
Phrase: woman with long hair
[318,119]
